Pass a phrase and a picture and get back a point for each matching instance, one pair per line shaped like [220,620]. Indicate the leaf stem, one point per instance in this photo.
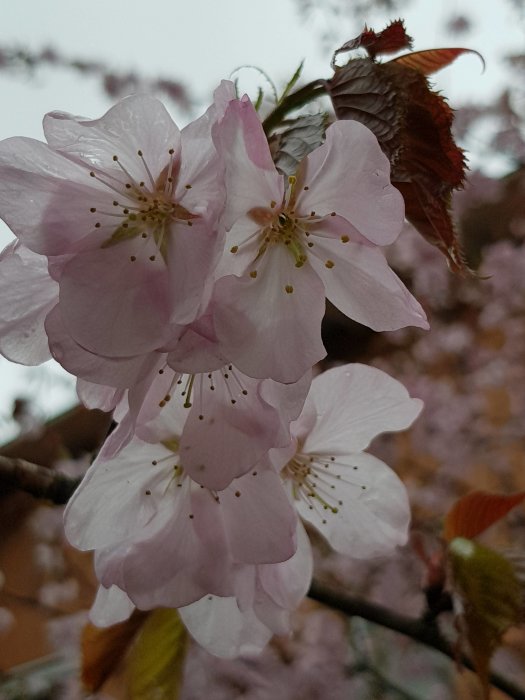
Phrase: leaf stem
[294,100]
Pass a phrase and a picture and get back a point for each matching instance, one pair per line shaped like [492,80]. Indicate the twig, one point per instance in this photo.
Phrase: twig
[36,480]
[414,628]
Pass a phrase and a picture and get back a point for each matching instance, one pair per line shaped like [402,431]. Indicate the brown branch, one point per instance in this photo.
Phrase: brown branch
[36,480]
[417,629]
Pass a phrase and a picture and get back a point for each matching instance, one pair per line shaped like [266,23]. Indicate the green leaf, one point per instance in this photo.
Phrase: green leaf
[487,591]
[259,100]
[293,80]
[156,660]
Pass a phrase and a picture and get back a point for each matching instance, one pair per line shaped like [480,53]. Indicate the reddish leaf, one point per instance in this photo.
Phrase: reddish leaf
[432,60]
[392,39]
[104,647]
[413,126]
[477,511]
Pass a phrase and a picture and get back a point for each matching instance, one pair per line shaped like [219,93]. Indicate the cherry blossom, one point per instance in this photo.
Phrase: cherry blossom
[166,540]
[354,499]
[227,626]
[290,243]
[244,623]
[130,204]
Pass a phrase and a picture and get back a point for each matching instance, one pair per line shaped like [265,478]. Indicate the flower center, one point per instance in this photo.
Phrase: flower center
[144,207]
[315,480]
[194,388]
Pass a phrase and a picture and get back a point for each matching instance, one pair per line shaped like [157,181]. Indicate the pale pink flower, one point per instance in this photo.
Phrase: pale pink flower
[263,596]
[290,244]
[164,539]
[232,420]
[355,500]
[130,204]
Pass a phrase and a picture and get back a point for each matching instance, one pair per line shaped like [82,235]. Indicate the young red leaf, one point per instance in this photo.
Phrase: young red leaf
[392,39]
[477,511]
[413,126]
[488,596]
[432,60]
[104,647]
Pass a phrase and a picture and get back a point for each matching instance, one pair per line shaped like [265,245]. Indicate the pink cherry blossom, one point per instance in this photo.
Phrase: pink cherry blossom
[166,540]
[242,623]
[267,594]
[232,419]
[289,244]
[355,501]
[130,203]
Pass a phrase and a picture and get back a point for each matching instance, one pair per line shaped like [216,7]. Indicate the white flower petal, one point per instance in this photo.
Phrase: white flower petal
[349,174]
[111,606]
[359,505]
[222,629]
[354,403]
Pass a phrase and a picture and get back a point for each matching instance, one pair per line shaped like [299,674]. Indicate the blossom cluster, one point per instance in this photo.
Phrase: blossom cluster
[182,279]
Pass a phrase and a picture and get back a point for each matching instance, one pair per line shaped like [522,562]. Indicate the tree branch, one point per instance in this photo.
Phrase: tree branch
[419,630]
[36,480]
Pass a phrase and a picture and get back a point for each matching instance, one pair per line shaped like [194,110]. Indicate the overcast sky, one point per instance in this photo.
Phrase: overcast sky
[199,43]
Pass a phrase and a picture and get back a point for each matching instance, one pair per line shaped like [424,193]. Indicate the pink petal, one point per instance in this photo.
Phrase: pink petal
[227,430]
[222,629]
[353,404]
[251,177]
[288,399]
[115,373]
[111,503]
[28,293]
[45,198]
[349,174]
[191,253]
[263,329]
[138,122]
[113,306]
[92,395]
[111,606]
[363,287]
[287,583]
[197,349]
[168,564]
[373,510]
[259,520]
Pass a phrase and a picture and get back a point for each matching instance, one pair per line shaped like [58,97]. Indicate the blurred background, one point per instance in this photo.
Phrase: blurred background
[469,369]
